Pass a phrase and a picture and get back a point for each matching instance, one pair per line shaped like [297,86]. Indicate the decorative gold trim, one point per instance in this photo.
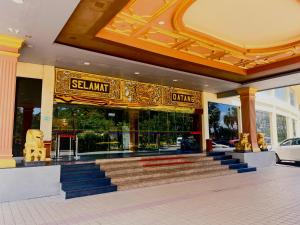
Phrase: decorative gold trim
[7,163]
[176,40]
[124,93]
[9,54]
[11,42]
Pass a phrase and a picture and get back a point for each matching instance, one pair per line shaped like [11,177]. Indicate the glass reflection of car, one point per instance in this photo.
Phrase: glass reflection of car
[220,147]
[178,141]
[288,150]
[189,143]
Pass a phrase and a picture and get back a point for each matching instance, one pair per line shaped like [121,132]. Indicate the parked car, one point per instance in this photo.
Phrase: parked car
[288,150]
[221,148]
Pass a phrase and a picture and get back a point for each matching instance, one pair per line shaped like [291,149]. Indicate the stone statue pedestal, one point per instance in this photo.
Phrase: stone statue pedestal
[255,159]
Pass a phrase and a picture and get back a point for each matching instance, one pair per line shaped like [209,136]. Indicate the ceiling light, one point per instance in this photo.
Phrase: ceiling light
[29,46]
[13,30]
[205,85]
[18,1]
[161,22]
[137,73]
[87,63]
[175,80]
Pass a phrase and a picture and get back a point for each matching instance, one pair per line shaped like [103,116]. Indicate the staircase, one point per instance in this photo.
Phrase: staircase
[139,172]
[84,179]
[233,164]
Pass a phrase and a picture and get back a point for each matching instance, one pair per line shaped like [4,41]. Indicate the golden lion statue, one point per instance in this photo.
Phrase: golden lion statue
[261,142]
[243,145]
[34,147]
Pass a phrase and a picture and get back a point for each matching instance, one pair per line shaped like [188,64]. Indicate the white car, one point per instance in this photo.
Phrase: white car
[221,148]
[289,150]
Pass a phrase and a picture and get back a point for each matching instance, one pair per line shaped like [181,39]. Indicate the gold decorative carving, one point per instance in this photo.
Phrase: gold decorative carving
[243,145]
[261,142]
[145,94]
[123,93]
[139,26]
[34,147]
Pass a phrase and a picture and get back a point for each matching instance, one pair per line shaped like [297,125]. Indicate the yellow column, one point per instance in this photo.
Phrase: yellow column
[247,96]
[9,47]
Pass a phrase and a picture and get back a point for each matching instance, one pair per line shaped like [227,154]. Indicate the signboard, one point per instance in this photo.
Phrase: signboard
[85,88]
[89,85]
[178,97]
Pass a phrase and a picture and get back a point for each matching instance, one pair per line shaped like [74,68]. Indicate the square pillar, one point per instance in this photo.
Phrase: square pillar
[247,96]
[9,47]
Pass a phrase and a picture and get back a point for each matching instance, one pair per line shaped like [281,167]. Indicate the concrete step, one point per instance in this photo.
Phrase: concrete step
[120,161]
[141,170]
[132,178]
[169,162]
[90,191]
[246,170]
[155,182]
[82,183]
[238,165]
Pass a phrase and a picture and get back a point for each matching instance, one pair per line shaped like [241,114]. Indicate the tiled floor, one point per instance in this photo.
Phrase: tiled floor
[266,197]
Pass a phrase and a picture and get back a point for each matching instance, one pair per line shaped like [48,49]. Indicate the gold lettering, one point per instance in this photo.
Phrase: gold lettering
[101,88]
[106,88]
[96,86]
[91,86]
[80,83]
[74,83]
[174,96]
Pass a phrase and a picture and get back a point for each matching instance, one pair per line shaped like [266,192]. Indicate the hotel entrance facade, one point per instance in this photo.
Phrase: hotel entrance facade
[105,117]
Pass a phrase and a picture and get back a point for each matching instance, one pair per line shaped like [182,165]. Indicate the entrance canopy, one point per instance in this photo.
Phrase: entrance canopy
[199,45]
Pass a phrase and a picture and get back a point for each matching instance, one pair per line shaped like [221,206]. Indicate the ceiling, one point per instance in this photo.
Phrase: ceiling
[246,23]
[47,27]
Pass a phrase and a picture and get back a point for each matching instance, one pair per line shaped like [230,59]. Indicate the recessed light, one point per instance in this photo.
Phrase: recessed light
[87,63]
[18,1]
[205,85]
[137,73]
[175,80]
[29,46]
[161,22]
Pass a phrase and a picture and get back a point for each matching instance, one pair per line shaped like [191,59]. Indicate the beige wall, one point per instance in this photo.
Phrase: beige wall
[47,75]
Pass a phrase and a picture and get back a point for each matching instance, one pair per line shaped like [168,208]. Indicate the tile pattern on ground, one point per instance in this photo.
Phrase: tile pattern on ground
[268,197]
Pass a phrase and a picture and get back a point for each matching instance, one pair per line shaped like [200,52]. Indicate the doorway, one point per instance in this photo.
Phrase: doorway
[27,111]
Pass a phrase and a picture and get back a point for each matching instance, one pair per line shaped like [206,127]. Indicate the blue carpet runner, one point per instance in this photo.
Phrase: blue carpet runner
[84,179]
[233,164]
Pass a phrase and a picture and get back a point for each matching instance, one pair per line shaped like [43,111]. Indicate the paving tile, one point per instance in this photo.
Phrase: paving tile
[267,197]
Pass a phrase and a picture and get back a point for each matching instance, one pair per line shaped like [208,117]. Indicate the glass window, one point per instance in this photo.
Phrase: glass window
[296,141]
[223,122]
[287,143]
[103,129]
[281,127]
[280,93]
[263,124]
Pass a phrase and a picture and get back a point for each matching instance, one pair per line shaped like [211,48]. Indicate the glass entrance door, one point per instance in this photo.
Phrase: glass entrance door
[98,129]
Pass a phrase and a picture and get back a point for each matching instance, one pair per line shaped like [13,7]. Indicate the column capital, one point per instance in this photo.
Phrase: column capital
[246,91]
[9,46]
